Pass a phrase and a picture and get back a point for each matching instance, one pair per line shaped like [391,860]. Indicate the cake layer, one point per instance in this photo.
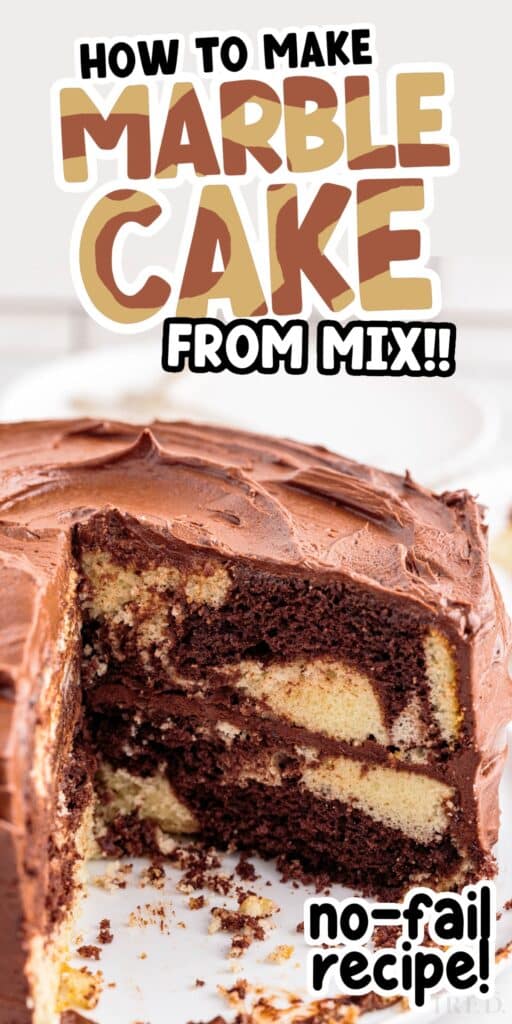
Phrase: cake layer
[232,715]
[247,610]
[423,798]
[345,709]
[346,705]
[325,812]
[161,623]
[167,772]
[329,840]
[417,806]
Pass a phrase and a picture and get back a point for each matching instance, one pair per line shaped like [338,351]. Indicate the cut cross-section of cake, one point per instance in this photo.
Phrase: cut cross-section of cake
[254,642]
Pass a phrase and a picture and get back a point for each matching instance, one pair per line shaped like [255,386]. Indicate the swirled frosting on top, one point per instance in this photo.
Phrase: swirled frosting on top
[243,495]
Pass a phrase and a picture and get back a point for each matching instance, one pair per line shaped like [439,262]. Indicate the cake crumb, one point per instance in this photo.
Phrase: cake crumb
[200,869]
[105,935]
[199,983]
[154,875]
[351,1014]
[258,906]
[214,925]
[280,954]
[236,922]
[89,952]
[115,876]
[503,952]
[245,870]
[235,995]
[387,936]
[215,1020]
[78,987]
[197,902]
[149,914]
[184,887]
[255,1005]
[239,945]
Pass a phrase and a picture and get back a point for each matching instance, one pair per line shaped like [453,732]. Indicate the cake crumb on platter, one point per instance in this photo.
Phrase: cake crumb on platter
[105,935]
[223,919]
[258,906]
[214,925]
[115,876]
[79,987]
[197,902]
[153,875]
[150,914]
[89,952]
[504,952]
[257,1005]
[280,954]
[245,869]
[200,867]
[239,945]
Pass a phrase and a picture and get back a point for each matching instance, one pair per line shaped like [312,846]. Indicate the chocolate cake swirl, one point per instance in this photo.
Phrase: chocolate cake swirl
[242,638]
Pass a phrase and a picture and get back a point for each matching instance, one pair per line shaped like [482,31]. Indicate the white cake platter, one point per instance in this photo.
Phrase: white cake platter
[434,428]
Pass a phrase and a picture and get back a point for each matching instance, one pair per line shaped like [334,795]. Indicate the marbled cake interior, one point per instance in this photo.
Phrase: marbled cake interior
[200,700]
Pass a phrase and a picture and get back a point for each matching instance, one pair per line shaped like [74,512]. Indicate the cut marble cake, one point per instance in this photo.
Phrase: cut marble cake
[254,642]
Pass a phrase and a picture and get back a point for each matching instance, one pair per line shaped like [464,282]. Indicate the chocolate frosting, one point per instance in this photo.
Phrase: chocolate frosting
[277,503]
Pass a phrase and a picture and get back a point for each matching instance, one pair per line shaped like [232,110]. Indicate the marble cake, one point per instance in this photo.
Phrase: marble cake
[251,641]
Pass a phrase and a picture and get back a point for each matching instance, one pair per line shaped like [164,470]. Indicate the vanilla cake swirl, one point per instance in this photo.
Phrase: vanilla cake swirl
[252,641]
